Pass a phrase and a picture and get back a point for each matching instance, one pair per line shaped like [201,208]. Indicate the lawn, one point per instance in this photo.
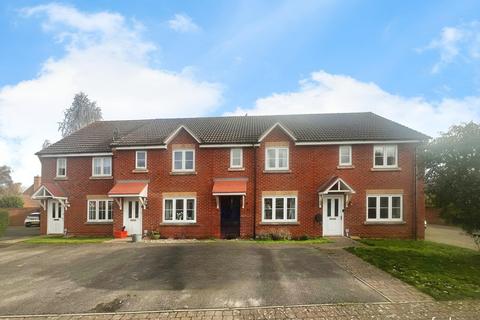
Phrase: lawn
[3,221]
[442,271]
[64,240]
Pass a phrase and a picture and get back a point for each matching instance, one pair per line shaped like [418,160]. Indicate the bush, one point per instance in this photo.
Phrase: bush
[3,221]
[264,236]
[275,235]
[303,237]
[11,202]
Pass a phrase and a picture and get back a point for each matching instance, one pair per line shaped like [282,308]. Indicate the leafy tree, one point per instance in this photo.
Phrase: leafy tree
[5,177]
[11,201]
[81,113]
[452,175]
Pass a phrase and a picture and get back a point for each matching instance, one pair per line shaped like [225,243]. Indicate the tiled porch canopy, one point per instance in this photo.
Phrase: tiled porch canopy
[335,185]
[129,189]
[230,187]
[50,190]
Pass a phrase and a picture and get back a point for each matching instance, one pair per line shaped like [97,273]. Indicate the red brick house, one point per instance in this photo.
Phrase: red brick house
[351,174]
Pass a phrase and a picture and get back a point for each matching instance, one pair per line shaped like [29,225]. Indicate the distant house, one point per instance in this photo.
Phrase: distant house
[28,202]
[317,175]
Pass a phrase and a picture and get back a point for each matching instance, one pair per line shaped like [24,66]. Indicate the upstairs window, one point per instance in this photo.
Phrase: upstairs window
[384,207]
[236,158]
[345,156]
[385,156]
[141,160]
[276,158]
[184,160]
[61,167]
[102,166]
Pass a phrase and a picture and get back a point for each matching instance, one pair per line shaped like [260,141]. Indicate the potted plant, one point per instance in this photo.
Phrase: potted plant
[120,234]
[155,235]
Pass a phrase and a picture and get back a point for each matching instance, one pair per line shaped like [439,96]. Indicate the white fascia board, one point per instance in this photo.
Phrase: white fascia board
[232,145]
[320,143]
[66,155]
[162,146]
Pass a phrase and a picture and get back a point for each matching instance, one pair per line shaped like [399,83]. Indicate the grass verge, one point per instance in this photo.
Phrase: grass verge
[442,271]
[3,221]
[63,240]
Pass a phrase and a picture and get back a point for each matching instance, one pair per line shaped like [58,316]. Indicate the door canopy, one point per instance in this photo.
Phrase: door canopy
[335,186]
[129,189]
[50,190]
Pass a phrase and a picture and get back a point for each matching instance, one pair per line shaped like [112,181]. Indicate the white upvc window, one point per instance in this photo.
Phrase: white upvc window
[279,209]
[276,158]
[345,156]
[61,167]
[100,210]
[102,166]
[183,160]
[385,207]
[141,160]
[236,158]
[385,156]
[179,210]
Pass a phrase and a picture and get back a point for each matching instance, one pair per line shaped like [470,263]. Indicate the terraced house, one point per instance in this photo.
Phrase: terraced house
[349,174]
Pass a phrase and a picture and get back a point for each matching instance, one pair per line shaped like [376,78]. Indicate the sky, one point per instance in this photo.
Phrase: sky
[415,62]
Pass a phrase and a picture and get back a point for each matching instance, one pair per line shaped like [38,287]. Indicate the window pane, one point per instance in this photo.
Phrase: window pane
[383,207]
[179,209]
[391,155]
[372,202]
[60,208]
[92,210]
[379,156]
[178,160]
[190,209]
[267,207]
[396,213]
[279,208]
[189,160]
[329,207]
[236,160]
[137,209]
[291,208]
[130,209]
[282,158]
[271,158]
[372,207]
[102,210]
[107,166]
[168,209]
[110,210]
[141,156]
[97,166]
[337,207]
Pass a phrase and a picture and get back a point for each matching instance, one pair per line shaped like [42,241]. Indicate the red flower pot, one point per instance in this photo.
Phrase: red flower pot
[119,234]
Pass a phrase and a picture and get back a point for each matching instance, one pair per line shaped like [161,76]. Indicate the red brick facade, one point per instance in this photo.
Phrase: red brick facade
[309,167]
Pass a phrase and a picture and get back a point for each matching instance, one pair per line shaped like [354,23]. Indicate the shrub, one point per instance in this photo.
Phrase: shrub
[281,235]
[3,221]
[11,202]
[303,237]
[263,236]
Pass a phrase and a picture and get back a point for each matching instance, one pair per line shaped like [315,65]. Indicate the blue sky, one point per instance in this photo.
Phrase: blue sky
[414,62]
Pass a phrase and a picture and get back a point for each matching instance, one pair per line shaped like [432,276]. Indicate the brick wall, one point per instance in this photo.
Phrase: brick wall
[17,215]
[310,166]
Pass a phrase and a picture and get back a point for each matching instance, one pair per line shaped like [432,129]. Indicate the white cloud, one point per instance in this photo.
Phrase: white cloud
[325,92]
[459,42]
[106,57]
[182,23]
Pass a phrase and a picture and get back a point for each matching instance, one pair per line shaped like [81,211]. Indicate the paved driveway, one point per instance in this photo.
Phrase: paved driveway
[451,235]
[19,232]
[107,277]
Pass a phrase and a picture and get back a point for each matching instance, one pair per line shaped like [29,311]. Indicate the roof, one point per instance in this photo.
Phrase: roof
[138,189]
[230,186]
[54,190]
[327,127]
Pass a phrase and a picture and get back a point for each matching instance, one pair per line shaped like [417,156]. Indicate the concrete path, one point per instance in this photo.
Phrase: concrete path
[454,236]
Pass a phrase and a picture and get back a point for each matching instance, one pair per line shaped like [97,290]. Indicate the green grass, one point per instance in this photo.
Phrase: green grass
[308,241]
[63,240]
[3,221]
[444,272]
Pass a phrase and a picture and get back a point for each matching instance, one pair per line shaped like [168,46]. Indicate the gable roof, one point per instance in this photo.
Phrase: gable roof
[327,127]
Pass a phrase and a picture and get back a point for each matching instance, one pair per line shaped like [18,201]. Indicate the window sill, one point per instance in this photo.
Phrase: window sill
[140,171]
[386,169]
[179,224]
[183,173]
[101,177]
[277,171]
[280,223]
[345,167]
[99,222]
[236,169]
[384,222]
[60,178]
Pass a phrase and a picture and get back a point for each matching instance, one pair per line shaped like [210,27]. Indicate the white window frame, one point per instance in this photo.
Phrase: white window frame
[174,216]
[277,159]
[384,150]
[274,219]
[58,167]
[97,210]
[240,166]
[183,151]
[136,160]
[349,148]
[102,167]
[390,196]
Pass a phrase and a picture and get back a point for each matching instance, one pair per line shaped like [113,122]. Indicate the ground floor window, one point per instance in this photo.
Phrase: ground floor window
[384,207]
[278,209]
[100,210]
[181,210]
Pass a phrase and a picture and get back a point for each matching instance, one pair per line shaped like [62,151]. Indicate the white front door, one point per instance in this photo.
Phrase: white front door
[132,217]
[55,217]
[333,215]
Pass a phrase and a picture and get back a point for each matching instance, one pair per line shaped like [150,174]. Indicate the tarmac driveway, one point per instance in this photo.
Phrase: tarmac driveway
[38,279]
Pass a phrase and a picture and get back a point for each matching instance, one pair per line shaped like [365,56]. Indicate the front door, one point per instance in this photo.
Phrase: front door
[333,216]
[230,216]
[55,218]
[132,217]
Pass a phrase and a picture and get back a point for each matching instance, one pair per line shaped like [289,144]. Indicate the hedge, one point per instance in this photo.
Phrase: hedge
[3,221]
[11,202]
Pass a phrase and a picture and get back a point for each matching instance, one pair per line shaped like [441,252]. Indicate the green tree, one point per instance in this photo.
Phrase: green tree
[452,175]
[81,113]
[11,201]
[5,177]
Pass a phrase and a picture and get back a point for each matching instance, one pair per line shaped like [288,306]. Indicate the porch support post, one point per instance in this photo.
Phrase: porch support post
[119,202]
[243,201]
[217,201]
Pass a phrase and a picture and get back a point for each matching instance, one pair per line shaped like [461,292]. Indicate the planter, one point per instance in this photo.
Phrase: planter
[136,238]
[120,234]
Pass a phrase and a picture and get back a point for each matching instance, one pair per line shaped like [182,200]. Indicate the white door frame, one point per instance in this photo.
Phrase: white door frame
[126,210]
[340,214]
[51,220]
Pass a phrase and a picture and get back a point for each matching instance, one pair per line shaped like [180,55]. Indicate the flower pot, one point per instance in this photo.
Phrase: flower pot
[119,234]
[136,238]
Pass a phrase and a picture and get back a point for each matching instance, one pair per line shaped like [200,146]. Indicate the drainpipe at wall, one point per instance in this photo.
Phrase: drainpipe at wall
[254,191]
[415,194]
